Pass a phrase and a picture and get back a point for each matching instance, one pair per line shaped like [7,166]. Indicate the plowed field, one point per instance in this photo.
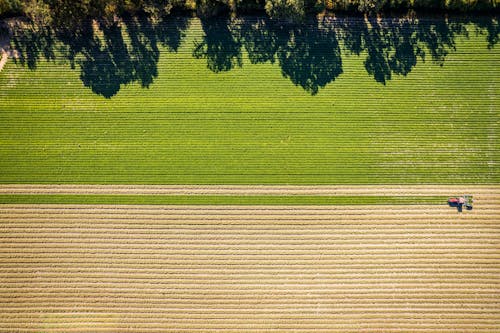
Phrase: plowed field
[480,191]
[83,268]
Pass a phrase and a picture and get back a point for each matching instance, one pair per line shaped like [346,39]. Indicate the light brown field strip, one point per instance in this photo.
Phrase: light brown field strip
[3,58]
[388,190]
[140,268]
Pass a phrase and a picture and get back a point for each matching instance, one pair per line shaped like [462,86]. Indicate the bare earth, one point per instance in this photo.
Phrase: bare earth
[479,191]
[105,268]
[4,51]
[3,59]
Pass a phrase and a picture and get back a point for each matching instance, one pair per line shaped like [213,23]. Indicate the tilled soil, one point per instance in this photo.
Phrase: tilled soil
[104,268]
[481,191]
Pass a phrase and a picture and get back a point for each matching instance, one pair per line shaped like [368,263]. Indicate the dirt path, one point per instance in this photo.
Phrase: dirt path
[491,191]
[3,59]
[4,51]
[105,268]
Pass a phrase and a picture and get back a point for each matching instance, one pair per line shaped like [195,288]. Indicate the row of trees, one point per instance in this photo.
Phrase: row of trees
[69,13]
[309,54]
[64,12]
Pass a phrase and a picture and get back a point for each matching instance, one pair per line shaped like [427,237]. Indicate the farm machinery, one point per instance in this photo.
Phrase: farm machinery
[459,202]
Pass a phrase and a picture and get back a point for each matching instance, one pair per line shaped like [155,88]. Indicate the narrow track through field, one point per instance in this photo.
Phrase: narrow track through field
[481,191]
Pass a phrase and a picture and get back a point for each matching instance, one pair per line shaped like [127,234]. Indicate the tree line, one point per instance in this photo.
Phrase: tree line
[70,12]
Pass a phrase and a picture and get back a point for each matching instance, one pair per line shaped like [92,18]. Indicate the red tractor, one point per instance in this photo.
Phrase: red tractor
[459,202]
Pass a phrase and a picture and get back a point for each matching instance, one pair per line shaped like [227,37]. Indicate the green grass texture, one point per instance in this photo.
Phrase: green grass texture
[219,200]
[251,125]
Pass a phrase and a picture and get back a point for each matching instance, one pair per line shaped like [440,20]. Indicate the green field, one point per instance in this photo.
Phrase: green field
[251,125]
[219,200]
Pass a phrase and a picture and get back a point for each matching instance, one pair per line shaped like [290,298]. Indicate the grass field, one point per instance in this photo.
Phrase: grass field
[217,200]
[251,125]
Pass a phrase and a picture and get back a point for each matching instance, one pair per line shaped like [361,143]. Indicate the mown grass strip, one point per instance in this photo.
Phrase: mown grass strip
[218,200]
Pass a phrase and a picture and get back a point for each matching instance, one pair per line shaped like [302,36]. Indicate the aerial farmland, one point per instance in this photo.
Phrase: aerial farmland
[201,171]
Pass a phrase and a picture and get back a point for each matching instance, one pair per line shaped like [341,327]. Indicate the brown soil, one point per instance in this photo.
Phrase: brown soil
[3,59]
[492,191]
[105,268]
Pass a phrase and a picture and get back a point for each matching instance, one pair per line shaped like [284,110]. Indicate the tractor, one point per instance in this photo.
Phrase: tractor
[465,200]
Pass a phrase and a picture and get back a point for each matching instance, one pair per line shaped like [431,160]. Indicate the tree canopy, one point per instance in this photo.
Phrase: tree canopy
[70,12]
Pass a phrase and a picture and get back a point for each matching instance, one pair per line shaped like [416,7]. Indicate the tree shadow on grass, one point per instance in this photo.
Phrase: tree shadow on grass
[311,57]
[32,43]
[109,55]
[308,54]
[487,26]
[107,63]
[128,53]
[113,53]
[219,46]
[394,47]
